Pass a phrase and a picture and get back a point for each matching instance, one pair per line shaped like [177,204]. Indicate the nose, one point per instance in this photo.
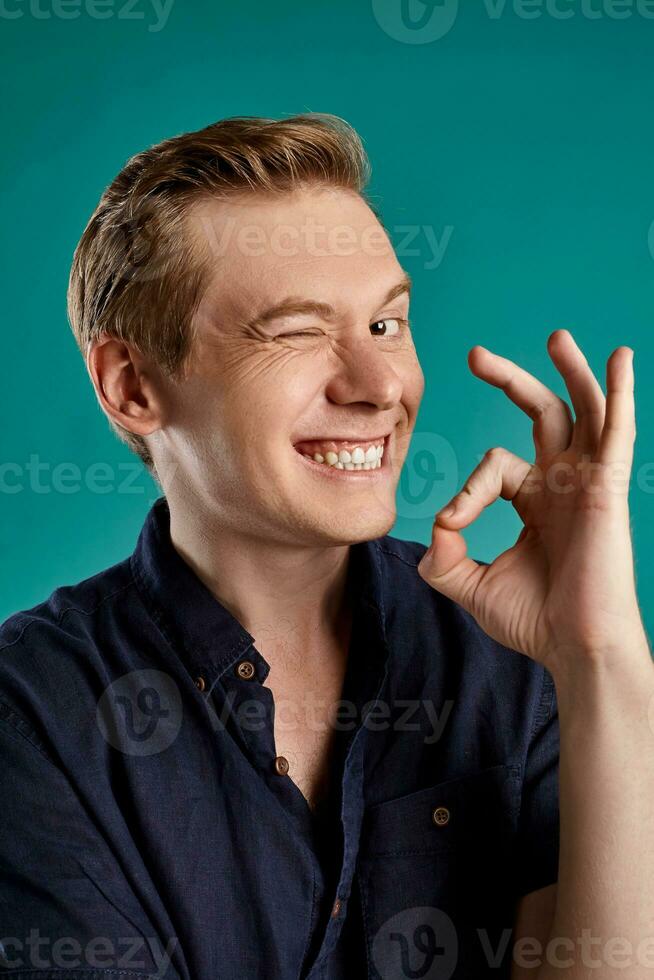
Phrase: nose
[365,373]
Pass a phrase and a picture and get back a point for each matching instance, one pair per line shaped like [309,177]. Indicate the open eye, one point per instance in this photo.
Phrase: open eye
[388,327]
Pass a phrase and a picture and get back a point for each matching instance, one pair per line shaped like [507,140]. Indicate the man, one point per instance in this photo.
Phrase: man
[266,744]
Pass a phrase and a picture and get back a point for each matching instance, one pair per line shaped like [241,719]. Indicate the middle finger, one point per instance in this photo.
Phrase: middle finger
[585,390]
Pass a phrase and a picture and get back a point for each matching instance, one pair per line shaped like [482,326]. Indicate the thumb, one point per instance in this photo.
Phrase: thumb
[446,568]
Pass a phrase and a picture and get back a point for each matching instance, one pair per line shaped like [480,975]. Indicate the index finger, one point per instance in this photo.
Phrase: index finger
[551,415]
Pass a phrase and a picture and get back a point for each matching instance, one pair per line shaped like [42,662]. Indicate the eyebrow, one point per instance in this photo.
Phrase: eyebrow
[296,306]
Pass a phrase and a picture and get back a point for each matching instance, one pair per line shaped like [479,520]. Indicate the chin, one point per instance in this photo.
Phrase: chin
[346,528]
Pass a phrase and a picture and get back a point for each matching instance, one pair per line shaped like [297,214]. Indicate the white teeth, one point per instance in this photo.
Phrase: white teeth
[355,459]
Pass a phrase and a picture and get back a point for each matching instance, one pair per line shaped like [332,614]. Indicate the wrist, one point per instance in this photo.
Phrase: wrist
[630,647]
[623,677]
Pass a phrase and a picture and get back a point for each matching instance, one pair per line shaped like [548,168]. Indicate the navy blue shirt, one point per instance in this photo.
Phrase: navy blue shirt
[148,826]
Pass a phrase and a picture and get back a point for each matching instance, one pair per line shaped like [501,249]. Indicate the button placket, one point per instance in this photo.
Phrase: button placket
[261,741]
[353,805]
[249,705]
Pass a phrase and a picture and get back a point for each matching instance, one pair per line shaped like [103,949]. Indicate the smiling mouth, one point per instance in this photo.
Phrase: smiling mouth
[344,455]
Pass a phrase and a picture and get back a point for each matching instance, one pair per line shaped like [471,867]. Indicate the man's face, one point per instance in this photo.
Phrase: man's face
[266,392]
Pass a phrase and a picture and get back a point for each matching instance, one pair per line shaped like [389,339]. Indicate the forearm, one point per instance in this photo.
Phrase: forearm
[604,917]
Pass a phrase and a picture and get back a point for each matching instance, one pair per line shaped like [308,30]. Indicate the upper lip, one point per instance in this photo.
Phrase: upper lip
[356,438]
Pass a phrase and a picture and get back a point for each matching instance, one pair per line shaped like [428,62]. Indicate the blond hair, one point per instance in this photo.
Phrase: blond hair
[136,275]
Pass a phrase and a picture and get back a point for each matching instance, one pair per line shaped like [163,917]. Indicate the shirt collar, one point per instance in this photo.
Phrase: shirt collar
[194,621]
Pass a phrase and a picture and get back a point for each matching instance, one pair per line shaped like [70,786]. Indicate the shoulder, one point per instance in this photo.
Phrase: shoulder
[51,653]
[68,610]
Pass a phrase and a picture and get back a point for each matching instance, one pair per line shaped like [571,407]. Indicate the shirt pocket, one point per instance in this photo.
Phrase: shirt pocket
[434,872]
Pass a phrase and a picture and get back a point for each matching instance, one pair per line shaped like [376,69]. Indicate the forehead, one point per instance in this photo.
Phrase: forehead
[319,243]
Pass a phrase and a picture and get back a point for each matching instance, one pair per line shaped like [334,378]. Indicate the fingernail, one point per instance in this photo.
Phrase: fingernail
[447,511]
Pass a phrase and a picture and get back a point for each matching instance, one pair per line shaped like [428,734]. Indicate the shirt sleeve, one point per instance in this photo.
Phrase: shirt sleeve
[66,911]
[537,857]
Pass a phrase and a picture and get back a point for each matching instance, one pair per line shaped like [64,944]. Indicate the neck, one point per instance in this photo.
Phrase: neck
[292,600]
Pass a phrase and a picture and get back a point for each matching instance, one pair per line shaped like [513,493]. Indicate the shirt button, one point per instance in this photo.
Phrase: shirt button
[200,683]
[281,765]
[441,816]
[336,909]
[245,670]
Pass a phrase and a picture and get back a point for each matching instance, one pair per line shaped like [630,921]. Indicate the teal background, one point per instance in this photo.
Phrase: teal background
[531,139]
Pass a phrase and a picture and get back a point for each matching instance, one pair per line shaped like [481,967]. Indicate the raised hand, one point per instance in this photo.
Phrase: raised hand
[567,586]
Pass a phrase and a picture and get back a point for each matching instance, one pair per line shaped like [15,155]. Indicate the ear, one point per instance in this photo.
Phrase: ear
[127,385]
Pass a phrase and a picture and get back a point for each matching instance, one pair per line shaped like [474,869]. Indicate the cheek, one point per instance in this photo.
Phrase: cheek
[275,387]
[261,404]
[268,371]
